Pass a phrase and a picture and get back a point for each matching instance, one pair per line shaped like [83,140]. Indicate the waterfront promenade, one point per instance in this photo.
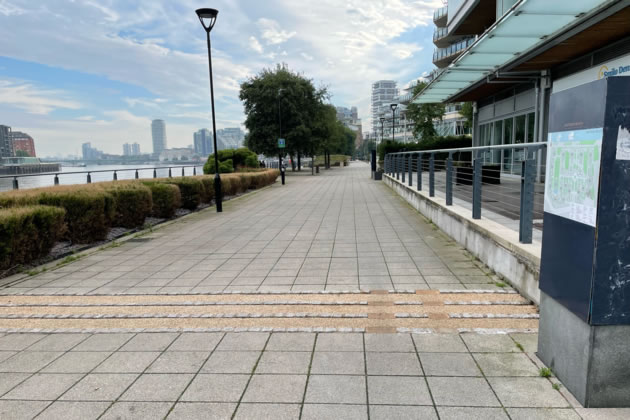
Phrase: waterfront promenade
[328,297]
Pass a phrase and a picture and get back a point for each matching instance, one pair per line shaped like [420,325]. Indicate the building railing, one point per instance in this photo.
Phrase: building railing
[136,173]
[461,173]
[441,53]
[440,13]
[439,33]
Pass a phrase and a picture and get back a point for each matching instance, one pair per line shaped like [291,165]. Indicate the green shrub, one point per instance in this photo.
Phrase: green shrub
[89,211]
[208,188]
[446,142]
[28,233]
[191,189]
[166,199]
[230,159]
[133,203]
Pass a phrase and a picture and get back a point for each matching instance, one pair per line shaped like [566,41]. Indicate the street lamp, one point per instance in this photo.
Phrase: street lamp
[208,18]
[393,107]
[280,166]
[382,132]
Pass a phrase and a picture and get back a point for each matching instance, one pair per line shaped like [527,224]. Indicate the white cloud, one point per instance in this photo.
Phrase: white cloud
[271,32]
[255,45]
[33,100]
[306,56]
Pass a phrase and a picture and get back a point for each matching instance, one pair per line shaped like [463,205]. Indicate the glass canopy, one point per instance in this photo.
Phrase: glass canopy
[528,24]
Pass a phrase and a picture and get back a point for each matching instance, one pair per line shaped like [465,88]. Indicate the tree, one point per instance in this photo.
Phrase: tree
[467,112]
[423,115]
[21,153]
[280,104]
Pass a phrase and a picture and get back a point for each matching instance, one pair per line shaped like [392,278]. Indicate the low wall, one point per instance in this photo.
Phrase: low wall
[496,245]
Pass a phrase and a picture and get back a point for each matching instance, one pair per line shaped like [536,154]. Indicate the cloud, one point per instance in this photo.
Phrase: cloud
[306,56]
[255,45]
[33,100]
[271,32]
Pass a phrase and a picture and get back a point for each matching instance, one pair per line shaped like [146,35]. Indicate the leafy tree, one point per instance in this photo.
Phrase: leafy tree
[467,112]
[21,153]
[281,103]
[423,115]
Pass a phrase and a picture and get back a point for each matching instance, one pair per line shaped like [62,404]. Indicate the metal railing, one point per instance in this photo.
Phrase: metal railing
[452,49]
[505,179]
[152,173]
[439,13]
[440,33]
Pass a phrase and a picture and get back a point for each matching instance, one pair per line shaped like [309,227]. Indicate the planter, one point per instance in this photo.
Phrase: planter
[378,175]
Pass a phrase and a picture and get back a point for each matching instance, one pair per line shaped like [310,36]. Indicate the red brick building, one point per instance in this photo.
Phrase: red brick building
[22,141]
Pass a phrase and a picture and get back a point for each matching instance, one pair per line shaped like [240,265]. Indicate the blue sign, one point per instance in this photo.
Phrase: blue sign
[282,143]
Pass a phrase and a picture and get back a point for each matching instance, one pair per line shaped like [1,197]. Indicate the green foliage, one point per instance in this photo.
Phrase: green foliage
[166,199]
[545,372]
[228,159]
[191,189]
[467,112]
[28,233]
[22,153]
[133,203]
[423,115]
[434,143]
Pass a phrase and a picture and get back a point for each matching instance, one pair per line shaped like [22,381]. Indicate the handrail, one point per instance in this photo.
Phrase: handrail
[100,170]
[480,148]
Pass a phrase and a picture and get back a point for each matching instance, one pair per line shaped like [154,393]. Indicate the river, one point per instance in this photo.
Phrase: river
[68,177]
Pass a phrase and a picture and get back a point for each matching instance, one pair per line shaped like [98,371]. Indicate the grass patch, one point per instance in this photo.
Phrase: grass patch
[556,386]
[544,372]
[520,346]
[500,284]
[69,259]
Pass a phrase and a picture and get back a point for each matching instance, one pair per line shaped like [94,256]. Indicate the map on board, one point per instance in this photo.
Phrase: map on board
[572,182]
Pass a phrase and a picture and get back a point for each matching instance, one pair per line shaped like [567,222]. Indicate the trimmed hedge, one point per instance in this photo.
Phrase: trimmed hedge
[447,142]
[133,203]
[166,199]
[28,233]
[191,189]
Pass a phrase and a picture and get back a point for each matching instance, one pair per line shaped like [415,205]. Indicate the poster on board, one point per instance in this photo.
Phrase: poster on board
[572,182]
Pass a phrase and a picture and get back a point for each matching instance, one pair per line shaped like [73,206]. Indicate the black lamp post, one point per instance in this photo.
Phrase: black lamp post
[393,107]
[382,132]
[208,18]
[280,165]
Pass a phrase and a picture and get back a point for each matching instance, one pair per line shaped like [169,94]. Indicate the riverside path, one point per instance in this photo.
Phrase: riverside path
[328,297]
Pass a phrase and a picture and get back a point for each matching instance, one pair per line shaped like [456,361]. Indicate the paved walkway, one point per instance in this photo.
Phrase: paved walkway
[128,353]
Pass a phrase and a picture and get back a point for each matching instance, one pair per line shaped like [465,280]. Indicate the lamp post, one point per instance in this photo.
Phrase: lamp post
[280,165]
[382,132]
[393,107]
[208,18]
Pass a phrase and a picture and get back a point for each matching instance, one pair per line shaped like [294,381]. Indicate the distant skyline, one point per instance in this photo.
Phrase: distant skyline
[100,72]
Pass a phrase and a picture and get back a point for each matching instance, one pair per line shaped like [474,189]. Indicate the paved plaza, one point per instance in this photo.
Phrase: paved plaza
[220,316]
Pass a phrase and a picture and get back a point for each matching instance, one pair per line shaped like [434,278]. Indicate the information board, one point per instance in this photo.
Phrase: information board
[572,180]
[282,143]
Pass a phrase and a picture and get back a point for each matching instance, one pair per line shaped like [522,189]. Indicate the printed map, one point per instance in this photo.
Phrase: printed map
[572,182]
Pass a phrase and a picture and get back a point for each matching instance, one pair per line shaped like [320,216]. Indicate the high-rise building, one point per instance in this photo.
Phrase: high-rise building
[24,142]
[126,149]
[158,133]
[6,143]
[230,138]
[383,93]
[202,141]
[135,149]
[90,153]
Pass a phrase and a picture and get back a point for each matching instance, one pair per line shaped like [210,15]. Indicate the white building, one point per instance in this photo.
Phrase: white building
[176,154]
[383,93]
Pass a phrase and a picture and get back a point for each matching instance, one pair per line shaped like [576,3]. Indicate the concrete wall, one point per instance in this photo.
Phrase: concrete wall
[497,246]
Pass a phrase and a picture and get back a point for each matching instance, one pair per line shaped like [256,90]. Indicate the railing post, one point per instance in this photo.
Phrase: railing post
[432,175]
[115,176]
[137,175]
[386,164]
[89,178]
[410,169]
[194,170]
[154,173]
[56,179]
[398,167]
[16,185]
[449,179]
[419,172]
[403,160]
[477,168]
[528,176]
[183,173]
[170,175]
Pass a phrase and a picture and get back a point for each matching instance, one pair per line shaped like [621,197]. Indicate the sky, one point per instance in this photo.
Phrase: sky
[73,71]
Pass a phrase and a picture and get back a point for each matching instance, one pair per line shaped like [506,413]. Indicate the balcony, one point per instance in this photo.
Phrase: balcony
[440,16]
[440,37]
[444,56]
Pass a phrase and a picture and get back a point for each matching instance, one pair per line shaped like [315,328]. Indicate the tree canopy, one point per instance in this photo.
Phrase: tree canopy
[282,104]
[423,115]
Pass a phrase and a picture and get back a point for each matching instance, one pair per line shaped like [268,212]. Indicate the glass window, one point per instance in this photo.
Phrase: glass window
[519,129]
[508,129]
[531,120]
[496,140]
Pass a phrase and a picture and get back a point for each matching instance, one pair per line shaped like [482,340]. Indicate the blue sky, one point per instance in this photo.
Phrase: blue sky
[99,70]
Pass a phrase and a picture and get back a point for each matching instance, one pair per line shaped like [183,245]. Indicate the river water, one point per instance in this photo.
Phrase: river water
[68,175]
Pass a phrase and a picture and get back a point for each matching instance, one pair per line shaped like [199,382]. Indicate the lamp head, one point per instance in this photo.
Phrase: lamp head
[393,106]
[207,17]
[382,120]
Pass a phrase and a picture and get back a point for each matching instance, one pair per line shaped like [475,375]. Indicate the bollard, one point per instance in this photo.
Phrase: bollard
[154,173]
[89,178]
[115,176]
[137,175]
[419,172]
[317,169]
[56,179]
[477,168]
[16,186]
[432,175]
[449,180]
[526,222]
[282,174]
[410,170]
